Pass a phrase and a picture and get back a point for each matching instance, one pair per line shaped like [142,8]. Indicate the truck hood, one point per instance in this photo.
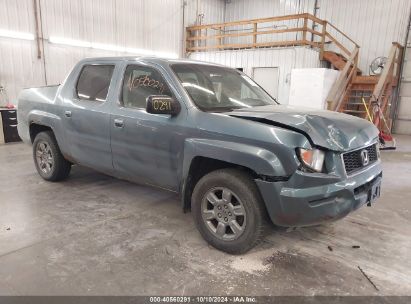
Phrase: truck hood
[331,130]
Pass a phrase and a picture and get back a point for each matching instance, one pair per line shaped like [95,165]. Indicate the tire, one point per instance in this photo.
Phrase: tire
[49,161]
[208,217]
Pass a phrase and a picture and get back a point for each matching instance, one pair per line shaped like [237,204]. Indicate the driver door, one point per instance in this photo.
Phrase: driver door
[146,147]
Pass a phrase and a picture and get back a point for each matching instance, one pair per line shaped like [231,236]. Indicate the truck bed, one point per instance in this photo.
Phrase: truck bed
[35,100]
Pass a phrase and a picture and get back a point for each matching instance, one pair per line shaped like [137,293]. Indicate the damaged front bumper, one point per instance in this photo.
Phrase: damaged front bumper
[310,198]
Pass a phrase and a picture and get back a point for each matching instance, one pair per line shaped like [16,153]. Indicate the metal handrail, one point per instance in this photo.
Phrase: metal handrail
[389,78]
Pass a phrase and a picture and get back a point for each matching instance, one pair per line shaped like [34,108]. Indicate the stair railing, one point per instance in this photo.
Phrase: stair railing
[388,79]
[339,90]
[281,31]
[389,73]
[337,95]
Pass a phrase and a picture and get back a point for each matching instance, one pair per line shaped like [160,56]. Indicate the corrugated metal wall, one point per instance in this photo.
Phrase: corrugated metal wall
[158,25]
[211,11]
[204,12]
[19,66]
[245,9]
[373,24]
[285,58]
[150,25]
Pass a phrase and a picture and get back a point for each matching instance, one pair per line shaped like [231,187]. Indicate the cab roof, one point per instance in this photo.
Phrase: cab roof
[155,60]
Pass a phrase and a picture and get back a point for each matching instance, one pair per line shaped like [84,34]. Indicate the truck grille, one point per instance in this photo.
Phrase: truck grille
[353,161]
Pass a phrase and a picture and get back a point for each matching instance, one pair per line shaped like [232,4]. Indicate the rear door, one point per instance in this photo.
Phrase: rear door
[87,117]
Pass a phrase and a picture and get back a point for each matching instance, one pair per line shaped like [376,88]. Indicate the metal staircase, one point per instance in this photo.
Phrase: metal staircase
[368,97]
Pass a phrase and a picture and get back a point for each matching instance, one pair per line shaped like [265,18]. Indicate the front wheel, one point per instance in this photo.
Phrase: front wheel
[49,161]
[228,210]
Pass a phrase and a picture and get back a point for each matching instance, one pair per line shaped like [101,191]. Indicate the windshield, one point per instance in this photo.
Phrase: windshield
[214,88]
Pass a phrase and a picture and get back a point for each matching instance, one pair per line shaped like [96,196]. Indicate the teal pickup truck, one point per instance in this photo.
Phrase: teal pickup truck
[236,157]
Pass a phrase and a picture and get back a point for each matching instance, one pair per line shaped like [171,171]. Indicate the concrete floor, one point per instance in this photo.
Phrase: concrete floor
[95,235]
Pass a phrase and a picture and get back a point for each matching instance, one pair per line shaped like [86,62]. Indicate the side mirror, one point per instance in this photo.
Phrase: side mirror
[162,104]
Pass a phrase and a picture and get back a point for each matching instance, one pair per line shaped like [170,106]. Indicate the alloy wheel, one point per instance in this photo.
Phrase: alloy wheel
[224,213]
[44,157]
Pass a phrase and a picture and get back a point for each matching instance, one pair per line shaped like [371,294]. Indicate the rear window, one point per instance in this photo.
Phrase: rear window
[94,82]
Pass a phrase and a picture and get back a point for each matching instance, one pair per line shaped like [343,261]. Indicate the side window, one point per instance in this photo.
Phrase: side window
[139,83]
[94,82]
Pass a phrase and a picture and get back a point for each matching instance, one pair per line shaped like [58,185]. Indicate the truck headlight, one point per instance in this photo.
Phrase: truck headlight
[313,159]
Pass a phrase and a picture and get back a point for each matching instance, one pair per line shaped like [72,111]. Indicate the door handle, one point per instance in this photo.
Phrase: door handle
[118,123]
[67,114]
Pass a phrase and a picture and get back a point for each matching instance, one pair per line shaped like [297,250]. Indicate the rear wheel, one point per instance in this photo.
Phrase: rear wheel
[228,210]
[49,161]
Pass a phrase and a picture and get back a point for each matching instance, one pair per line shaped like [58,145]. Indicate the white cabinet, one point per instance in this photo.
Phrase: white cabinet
[310,87]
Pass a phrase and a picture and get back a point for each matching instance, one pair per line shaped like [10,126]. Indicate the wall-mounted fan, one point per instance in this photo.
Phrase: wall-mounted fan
[377,65]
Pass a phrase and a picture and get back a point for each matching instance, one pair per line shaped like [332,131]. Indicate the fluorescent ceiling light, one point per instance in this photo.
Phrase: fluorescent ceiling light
[16,35]
[71,42]
[110,47]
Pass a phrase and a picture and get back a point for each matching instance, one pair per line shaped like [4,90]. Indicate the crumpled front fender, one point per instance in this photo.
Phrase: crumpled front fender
[261,161]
